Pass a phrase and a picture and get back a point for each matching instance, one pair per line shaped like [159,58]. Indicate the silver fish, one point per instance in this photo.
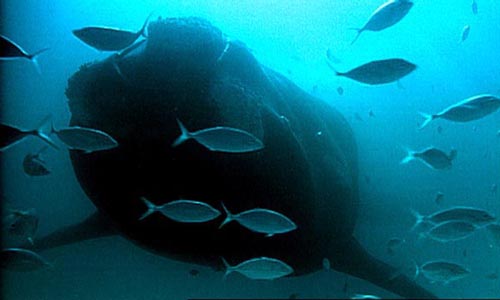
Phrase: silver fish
[221,139]
[470,109]
[184,211]
[431,157]
[34,165]
[10,136]
[109,39]
[441,271]
[465,32]
[22,260]
[364,296]
[21,223]
[450,231]
[85,139]
[475,216]
[474,7]
[260,268]
[261,220]
[9,50]
[379,71]
[386,15]
[494,234]
[393,244]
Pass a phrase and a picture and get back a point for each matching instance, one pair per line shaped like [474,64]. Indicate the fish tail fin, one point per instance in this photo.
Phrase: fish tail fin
[417,269]
[418,219]
[409,156]
[428,119]
[151,208]
[359,31]
[229,216]
[39,132]
[145,25]
[185,135]
[33,57]
[330,65]
[229,268]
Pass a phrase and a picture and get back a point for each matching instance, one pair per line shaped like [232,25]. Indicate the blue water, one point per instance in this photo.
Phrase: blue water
[291,37]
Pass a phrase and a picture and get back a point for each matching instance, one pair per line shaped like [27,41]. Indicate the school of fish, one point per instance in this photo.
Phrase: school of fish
[447,225]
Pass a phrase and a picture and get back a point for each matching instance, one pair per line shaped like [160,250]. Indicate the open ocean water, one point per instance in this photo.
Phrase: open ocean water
[291,37]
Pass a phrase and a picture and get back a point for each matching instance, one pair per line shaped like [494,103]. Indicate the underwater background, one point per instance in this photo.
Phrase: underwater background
[292,38]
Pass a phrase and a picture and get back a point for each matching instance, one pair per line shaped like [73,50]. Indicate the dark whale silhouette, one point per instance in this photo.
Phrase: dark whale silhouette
[308,169]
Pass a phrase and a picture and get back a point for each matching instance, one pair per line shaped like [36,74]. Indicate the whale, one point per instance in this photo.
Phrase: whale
[190,70]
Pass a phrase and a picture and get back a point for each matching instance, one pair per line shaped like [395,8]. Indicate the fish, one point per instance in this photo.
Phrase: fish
[470,109]
[371,114]
[431,157]
[260,268]
[379,71]
[221,139]
[10,135]
[439,129]
[293,296]
[9,50]
[476,216]
[326,264]
[22,260]
[450,231]
[184,211]
[393,244]
[84,139]
[21,223]
[439,198]
[34,165]
[194,272]
[474,7]
[364,296]
[492,275]
[465,32]
[109,39]
[494,234]
[441,271]
[261,220]
[386,15]
[340,91]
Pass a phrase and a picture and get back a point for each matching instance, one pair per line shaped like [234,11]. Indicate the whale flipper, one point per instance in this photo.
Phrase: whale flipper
[357,262]
[93,227]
